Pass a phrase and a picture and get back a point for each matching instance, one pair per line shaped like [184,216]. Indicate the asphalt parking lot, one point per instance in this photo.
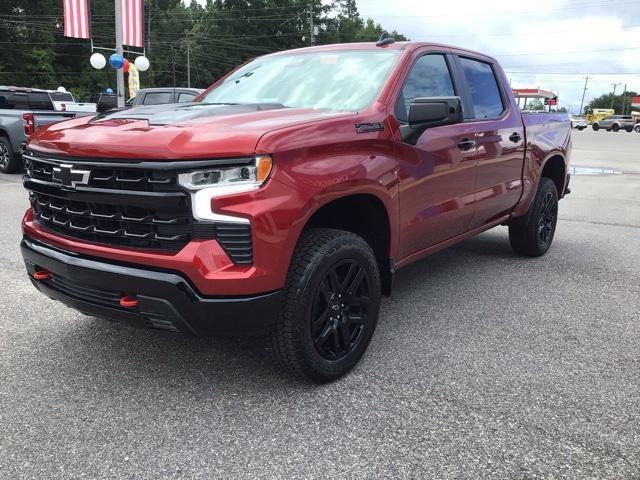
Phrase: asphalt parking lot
[484,365]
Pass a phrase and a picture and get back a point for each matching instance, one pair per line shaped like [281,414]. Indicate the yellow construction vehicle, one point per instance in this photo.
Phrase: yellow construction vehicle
[596,114]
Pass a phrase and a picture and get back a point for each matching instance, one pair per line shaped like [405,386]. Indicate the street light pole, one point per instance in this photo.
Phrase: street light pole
[119,51]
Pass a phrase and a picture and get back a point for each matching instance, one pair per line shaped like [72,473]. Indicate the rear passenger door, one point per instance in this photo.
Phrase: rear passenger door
[499,135]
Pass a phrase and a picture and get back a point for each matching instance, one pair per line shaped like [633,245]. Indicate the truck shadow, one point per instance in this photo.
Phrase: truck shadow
[119,356]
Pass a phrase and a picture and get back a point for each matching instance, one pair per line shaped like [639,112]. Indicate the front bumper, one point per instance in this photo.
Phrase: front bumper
[164,300]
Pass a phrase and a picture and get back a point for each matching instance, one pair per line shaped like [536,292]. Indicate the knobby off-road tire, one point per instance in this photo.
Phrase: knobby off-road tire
[331,305]
[534,239]
[9,162]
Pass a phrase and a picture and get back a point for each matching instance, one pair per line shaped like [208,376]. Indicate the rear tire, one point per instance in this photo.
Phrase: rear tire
[595,127]
[581,128]
[629,129]
[534,239]
[9,161]
[331,305]
[637,128]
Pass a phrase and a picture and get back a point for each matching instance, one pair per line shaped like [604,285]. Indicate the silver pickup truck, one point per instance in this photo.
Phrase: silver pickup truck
[23,110]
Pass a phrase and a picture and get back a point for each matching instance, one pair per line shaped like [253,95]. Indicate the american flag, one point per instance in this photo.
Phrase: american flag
[76,18]
[132,22]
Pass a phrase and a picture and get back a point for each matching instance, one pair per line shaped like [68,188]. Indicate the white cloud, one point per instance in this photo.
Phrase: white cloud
[548,43]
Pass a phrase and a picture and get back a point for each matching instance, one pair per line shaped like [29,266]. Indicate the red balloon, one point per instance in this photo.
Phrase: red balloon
[125,65]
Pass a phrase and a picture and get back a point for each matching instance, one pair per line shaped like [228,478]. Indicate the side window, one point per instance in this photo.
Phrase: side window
[483,86]
[429,77]
[185,97]
[157,98]
[40,101]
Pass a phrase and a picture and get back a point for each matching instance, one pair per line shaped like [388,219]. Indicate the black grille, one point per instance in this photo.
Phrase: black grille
[125,204]
[83,292]
[120,225]
[116,178]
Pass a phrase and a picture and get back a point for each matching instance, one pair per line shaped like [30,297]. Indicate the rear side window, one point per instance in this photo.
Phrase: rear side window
[483,86]
[40,101]
[157,98]
[185,97]
[16,101]
[429,77]
[61,96]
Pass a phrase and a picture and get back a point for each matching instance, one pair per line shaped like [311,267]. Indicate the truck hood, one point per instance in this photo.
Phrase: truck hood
[174,131]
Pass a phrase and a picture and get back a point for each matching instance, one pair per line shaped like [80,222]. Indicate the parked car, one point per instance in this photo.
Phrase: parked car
[64,102]
[22,110]
[285,201]
[578,122]
[615,123]
[159,96]
[104,101]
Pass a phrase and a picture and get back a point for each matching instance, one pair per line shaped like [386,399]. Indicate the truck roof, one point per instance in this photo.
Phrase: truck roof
[408,46]
[22,89]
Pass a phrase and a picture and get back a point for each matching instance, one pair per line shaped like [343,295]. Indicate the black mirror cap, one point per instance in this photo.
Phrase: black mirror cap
[426,112]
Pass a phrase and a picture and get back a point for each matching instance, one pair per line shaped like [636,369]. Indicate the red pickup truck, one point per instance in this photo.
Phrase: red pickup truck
[286,196]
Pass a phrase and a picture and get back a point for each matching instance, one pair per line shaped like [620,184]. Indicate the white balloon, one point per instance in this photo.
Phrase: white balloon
[61,90]
[141,63]
[98,61]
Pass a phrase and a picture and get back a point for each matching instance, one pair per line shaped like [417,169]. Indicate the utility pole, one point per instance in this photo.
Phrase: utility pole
[173,66]
[311,37]
[584,90]
[188,63]
[119,51]
[613,96]
[624,99]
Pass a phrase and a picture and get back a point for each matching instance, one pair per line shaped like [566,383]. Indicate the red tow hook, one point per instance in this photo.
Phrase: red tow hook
[41,275]
[128,301]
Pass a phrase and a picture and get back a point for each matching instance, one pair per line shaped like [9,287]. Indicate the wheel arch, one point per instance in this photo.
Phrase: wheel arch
[366,214]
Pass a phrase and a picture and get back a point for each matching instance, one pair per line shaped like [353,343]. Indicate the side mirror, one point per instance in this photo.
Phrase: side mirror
[427,112]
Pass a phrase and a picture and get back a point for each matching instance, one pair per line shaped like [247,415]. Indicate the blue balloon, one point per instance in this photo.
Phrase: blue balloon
[109,90]
[116,61]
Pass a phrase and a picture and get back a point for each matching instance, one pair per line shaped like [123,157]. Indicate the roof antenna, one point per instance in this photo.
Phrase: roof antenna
[385,39]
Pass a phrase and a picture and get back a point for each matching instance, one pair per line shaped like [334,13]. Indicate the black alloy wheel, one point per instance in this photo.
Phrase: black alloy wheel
[340,310]
[331,305]
[547,220]
[532,234]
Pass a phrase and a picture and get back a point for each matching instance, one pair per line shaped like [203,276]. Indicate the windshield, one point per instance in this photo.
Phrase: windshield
[345,80]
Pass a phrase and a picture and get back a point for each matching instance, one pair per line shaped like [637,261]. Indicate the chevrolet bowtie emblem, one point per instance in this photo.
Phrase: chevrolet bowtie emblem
[69,177]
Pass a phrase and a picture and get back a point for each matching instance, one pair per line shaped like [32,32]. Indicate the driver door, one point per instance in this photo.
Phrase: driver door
[436,174]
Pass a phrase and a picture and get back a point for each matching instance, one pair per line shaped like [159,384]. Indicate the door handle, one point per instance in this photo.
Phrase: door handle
[466,144]
[515,137]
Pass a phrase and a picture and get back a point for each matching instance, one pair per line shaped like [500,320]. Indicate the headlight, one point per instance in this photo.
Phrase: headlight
[244,177]
[206,184]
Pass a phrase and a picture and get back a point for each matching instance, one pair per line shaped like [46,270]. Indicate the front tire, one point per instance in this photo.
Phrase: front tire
[615,127]
[595,127]
[9,161]
[331,306]
[534,239]
[581,128]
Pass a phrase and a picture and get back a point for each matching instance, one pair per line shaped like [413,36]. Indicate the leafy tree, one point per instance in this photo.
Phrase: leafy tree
[604,101]
[216,37]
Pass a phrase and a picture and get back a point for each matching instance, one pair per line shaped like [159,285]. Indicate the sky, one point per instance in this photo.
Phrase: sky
[550,44]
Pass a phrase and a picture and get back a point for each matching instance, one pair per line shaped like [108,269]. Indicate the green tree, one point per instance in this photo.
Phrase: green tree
[215,37]
[604,101]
